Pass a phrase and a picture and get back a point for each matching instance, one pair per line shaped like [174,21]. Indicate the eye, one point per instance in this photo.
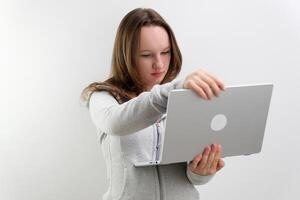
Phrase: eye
[166,52]
[145,55]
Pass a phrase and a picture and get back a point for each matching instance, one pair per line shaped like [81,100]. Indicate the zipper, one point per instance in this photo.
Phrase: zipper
[160,185]
[157,142]
[155,145]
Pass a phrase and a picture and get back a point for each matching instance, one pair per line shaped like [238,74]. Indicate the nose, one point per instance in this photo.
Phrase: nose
[158,63]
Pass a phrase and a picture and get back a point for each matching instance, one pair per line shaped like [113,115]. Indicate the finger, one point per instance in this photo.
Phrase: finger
[205,154]
[195,162]
[221,164]
[219,83]
[204,87]
[217,158]
[213,85]
[211,157]
[198,90]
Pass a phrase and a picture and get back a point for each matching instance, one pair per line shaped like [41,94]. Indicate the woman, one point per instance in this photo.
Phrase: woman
[128,111]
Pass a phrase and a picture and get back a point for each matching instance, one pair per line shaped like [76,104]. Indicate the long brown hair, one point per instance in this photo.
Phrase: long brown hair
[124,82]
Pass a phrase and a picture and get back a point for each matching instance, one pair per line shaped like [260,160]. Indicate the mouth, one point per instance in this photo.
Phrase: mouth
[157,74]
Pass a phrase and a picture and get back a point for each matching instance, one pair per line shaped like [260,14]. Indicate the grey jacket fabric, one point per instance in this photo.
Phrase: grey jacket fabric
[133,132]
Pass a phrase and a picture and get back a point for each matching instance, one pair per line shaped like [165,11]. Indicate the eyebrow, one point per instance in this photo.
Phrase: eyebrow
[149,50]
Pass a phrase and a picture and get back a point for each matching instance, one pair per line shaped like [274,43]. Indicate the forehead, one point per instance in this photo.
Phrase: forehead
[153,38]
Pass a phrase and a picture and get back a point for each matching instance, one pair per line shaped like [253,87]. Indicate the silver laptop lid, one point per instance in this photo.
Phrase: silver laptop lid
[236,120]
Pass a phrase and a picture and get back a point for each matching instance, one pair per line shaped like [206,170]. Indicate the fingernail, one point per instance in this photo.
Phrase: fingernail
[205,150]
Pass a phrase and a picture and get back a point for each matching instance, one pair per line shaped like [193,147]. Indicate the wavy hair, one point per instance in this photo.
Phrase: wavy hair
[124,82]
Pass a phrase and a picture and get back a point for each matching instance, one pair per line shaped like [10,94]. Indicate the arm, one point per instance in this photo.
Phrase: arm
[197,179]
[133,115]
[144,110]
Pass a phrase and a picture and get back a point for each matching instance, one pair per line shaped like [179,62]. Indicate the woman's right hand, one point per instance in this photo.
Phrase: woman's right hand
[204,84]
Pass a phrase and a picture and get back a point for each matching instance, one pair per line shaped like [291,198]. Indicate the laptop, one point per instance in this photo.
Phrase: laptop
[236,120]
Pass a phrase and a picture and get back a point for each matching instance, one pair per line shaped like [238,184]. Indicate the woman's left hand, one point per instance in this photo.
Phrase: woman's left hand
[209,162]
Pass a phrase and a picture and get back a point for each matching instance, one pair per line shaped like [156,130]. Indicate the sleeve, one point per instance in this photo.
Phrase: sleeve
[197,179]
[133,115]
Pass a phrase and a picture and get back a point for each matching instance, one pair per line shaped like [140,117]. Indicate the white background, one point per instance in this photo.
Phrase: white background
[50,50]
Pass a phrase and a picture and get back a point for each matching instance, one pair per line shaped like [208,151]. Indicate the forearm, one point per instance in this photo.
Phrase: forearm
[133,115]
[197,179]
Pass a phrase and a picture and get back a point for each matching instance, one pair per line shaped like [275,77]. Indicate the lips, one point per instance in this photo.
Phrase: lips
[157,73]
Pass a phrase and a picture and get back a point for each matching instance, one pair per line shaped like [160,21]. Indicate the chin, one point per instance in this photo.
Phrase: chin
[159,81]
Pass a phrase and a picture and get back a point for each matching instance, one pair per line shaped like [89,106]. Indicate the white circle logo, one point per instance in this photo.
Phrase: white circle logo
[218,122]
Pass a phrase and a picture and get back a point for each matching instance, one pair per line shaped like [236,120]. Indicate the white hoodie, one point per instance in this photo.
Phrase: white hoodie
[131,132]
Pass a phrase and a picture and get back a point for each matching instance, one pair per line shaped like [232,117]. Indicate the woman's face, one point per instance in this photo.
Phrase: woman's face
[153,55]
